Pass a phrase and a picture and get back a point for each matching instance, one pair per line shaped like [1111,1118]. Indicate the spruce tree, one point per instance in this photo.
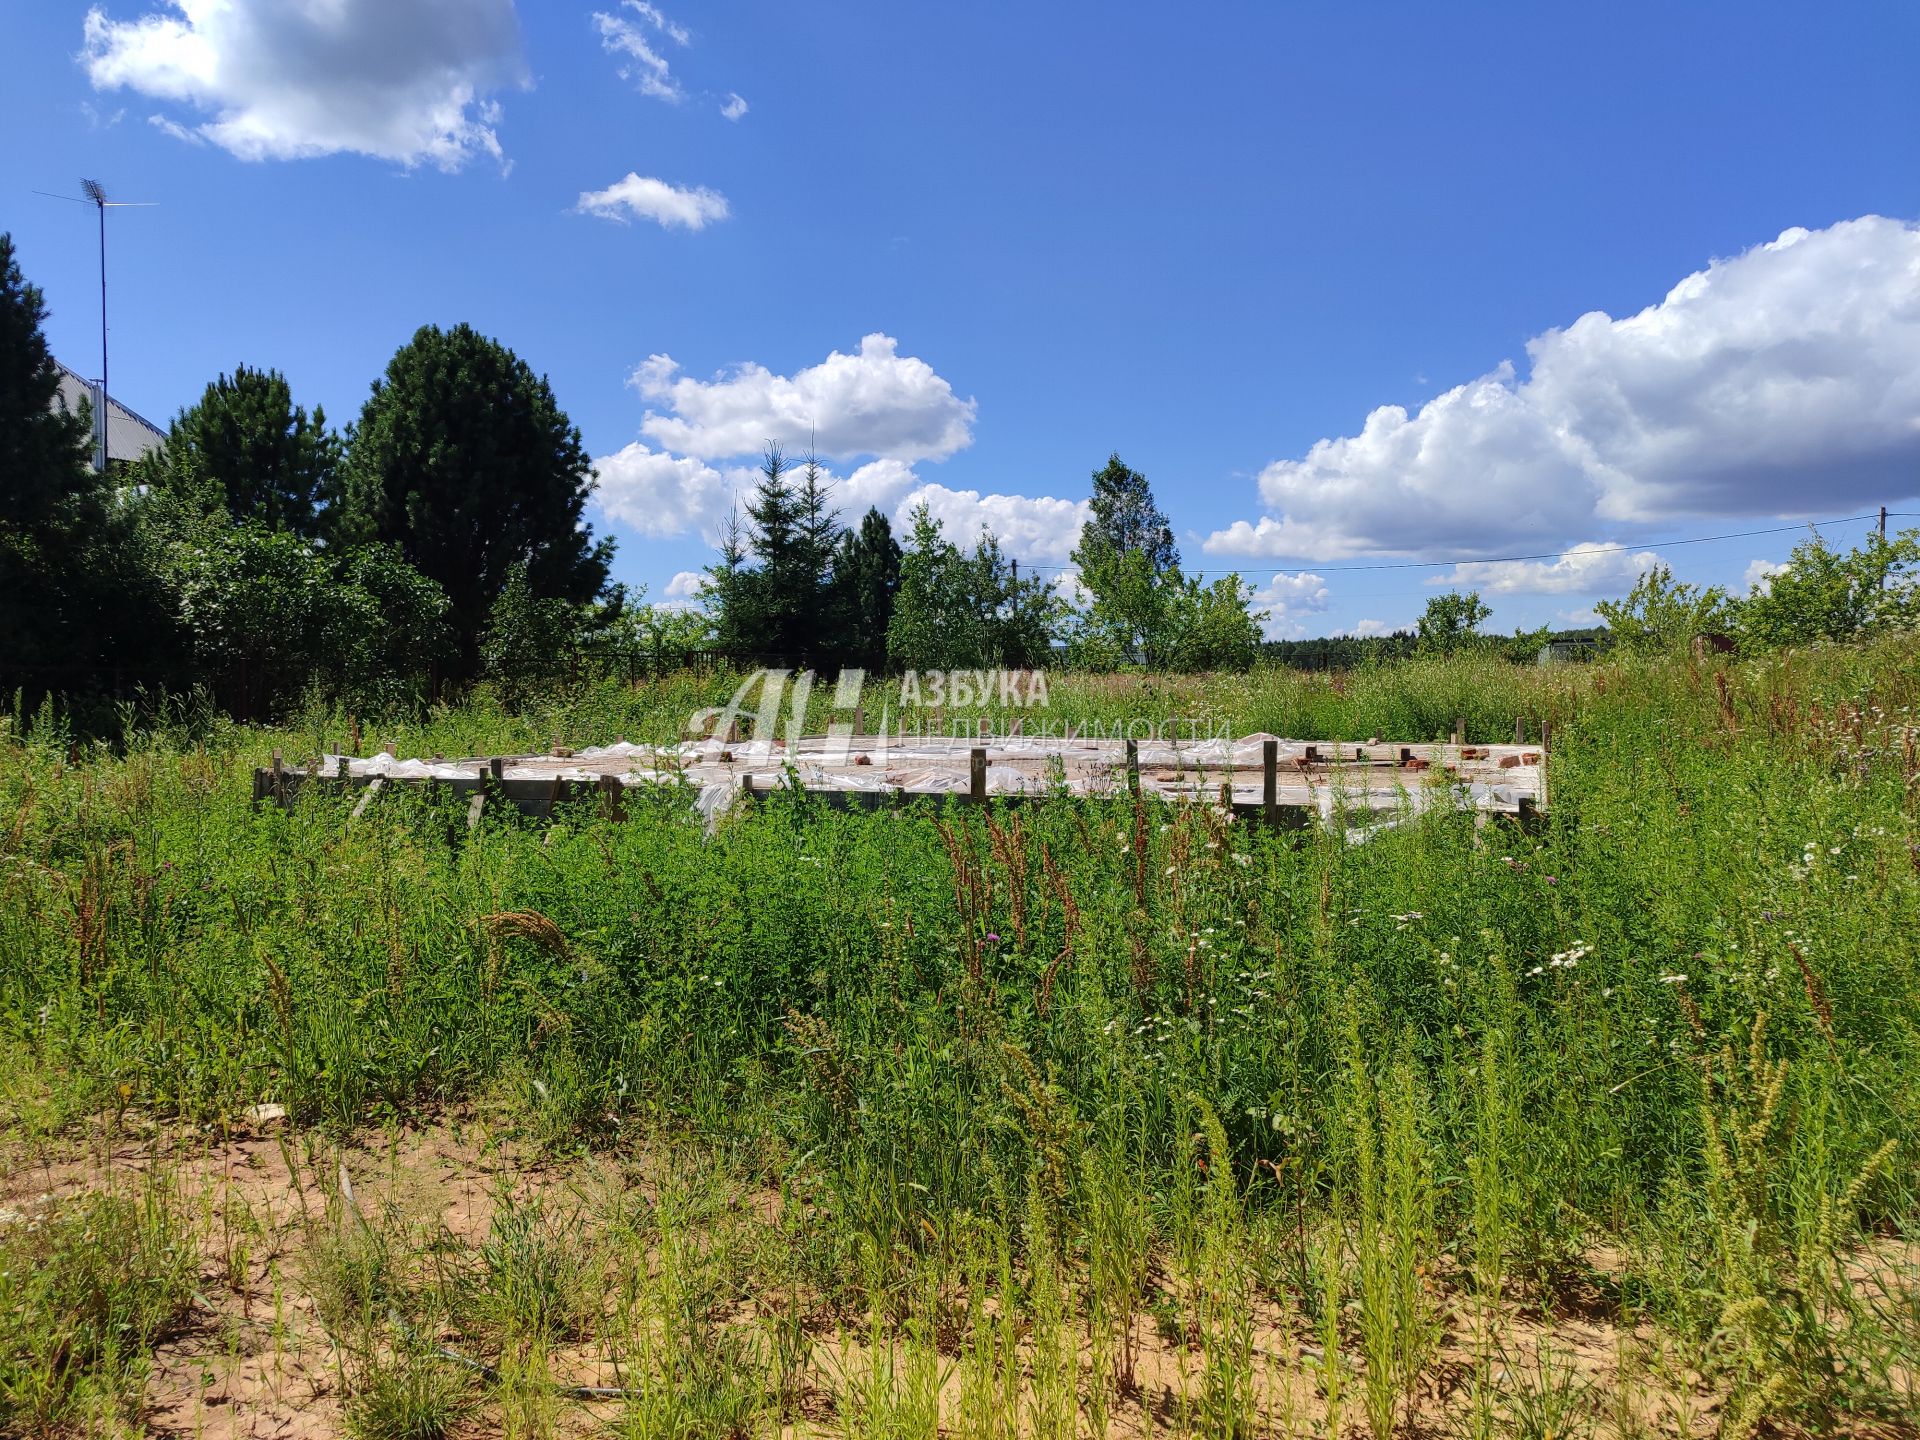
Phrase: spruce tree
[866,575]
[782,606]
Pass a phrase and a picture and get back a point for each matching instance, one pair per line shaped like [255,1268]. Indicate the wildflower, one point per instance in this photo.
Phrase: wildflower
[991,938]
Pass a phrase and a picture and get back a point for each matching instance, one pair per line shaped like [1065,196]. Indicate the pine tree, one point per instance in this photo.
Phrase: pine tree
[246,447]
[464,460]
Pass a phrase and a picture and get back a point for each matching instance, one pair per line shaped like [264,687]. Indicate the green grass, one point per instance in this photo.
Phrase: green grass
[87,1288]
[1153,1061]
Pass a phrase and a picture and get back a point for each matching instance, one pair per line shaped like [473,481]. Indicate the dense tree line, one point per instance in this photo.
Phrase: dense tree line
[792,585]
[258,555]
[439,540]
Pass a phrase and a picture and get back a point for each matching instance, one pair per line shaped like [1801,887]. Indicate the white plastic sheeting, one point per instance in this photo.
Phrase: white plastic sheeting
[1361,786]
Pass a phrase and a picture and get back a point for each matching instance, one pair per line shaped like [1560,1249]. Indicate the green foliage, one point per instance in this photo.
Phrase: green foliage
[398,636]
[86,1291]
[1007,1069]
[529,639]
[1452,621]
[50,494]
[954,610]
[1823,594]
[638,636]
[463,459]
[247,449]
[1660,616]
[268,618]
[1128,566]
[1212,627]
[782,604]
[1125,520]
[264,615]
[1141,609]
[867,573]
[76,609]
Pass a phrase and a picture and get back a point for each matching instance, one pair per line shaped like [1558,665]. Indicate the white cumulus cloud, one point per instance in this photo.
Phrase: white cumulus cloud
[645,198]
[733,107]
[876,402]
[1039,529]
[686,585]
[1288,599]
[1785,376]
[1760,574]
[662,495]
[401,80]
[1584,569]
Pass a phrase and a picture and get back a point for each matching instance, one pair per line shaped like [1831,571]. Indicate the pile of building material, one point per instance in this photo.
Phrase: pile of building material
[1282,782]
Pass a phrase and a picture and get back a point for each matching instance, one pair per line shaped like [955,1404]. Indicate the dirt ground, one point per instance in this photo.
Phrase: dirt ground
[255,1360]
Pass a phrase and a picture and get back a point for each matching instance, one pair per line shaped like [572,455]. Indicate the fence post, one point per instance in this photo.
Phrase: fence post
[1270,781]
[977,775]
[1133,767]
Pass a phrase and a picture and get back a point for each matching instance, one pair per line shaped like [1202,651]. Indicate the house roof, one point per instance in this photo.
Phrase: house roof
[129,435]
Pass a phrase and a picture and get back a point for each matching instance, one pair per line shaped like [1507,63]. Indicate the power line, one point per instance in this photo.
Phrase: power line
[1552,554]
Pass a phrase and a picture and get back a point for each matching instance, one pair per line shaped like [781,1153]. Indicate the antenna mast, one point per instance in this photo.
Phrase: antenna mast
[93,190]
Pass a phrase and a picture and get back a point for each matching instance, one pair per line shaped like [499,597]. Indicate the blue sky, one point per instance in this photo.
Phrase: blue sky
[970,250]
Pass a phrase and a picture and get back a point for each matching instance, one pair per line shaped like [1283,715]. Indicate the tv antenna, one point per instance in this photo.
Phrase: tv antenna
[96,195]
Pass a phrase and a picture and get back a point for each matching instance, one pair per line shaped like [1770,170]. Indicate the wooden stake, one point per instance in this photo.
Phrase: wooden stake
[1270,781]
[977,775]
[1519,731]
[1133,767]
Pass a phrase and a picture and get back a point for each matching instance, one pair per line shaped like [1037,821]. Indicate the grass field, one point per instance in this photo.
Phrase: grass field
[1090,1120]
